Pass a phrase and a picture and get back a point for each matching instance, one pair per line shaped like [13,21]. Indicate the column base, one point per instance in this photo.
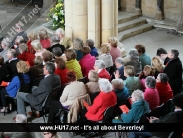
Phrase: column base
[159,15]
[138,11]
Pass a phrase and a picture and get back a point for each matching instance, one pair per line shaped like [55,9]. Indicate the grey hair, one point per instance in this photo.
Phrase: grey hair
[100,64]
[78,43]
[133,54]
[119,60]
[55,38]
[150,82]
[163,77]
[117,84]
[19,39]
[60,30]
[13,53]
[57,51]
[21,118]
[20,25]
[138,95]
[50,67]
[90,42]
[6,41]
[105,85]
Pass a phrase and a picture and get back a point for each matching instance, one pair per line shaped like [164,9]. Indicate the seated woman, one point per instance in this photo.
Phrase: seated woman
[37,47]
[47,57]
[72,63]
[132,83]
[139,107]
[147,71]
[133,56]
[163,88]
[105,99]
[106,57]
[31,37]
[100,68]
[120,90]
[157,65]
[151,94]
[92,86]
[87,62]
[77,46]
[44,38]
[61,70]
[72,91]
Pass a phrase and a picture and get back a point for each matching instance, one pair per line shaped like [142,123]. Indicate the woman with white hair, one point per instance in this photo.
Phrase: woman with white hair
[139,107]
[105,99]
[78,46]
[133,56]
[5,43]
[36,44]
[99,66]
[151,94]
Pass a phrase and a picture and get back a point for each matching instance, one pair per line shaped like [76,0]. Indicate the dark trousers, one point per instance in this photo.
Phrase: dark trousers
[53,110]
[3,92]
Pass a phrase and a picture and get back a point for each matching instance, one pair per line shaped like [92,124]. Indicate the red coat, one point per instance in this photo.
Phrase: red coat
[27,57]
[104,74]
[62,73]
[87,63]
[100,104]
[152,97]
[45,43]
[30,48]
[165,92]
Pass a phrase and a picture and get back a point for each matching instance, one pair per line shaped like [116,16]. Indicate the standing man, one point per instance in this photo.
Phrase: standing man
[66,41]
[173,69]
[163,55]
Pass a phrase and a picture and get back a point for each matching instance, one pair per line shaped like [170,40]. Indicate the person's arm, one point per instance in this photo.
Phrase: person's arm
[95,106]
[15,81]
[64,95]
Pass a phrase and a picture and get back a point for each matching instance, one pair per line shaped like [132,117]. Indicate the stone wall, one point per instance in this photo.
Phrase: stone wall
[149,8]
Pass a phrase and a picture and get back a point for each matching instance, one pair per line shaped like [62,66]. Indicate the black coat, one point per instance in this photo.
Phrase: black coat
[57,45]
[174,73]
[45,86]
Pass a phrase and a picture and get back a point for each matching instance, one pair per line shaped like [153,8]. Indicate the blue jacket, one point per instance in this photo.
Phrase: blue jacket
[138,109]
[122,94]
[121,72]
[13,87]
[26,78]
[94,52]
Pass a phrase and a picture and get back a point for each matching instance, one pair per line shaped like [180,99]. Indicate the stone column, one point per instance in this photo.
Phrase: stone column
[94,21]
[115,18]
[68,18]
[138,7]
[159,12]
[80,19]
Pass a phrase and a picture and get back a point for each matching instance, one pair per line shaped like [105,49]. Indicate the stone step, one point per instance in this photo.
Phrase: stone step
[131,24]
[134,31]
[126,16]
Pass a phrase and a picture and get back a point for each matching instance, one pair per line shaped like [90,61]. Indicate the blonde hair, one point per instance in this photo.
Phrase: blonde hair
[113,41]
[70,54]
[32,36]
[93,76]
[105,48]
[36,45]
[22,67]
[43,34]
[129,70]
[23,47]
[156,64]
[149,70]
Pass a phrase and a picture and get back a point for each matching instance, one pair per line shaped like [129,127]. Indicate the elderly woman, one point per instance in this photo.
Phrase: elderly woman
[105,99]
[157,65]
[31,37]
[24,55]
[144,59]
[100,68]
[72,63]
[44,38]
[132,83]
[72,91]
[5,43]
[87,62]
[90,43]
[106,57]
[37,47]
[120,90]
[151,94]
[139,107]
[163,88]
[119,62]
[61,70]
[77,46]
[115,51]
[92,86]
[134,60]
[55,40]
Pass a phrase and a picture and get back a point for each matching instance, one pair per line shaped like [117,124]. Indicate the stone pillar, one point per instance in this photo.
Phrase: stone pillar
[80,19]
[159,12]
[138,7]
[68,18]
[94,21]
[115,18]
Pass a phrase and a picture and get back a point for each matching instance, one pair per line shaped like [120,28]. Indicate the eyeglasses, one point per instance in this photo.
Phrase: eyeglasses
[46,133]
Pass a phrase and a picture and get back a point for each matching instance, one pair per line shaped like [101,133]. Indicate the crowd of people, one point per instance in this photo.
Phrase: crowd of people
[57,62]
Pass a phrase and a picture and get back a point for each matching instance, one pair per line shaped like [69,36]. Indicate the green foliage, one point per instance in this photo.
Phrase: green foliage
[56,14]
